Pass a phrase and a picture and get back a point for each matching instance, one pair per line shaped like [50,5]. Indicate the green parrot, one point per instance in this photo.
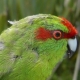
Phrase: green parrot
[32,47]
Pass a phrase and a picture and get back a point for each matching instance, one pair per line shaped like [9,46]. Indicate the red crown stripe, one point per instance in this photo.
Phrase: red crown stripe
[72,31]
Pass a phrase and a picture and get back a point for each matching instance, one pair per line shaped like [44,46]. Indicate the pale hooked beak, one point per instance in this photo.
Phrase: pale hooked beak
[72,46]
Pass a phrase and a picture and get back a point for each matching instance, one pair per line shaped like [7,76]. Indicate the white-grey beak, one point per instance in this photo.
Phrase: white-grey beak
[72,46]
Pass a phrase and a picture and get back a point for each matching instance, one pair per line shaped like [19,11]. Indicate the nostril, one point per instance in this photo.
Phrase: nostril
[73,37]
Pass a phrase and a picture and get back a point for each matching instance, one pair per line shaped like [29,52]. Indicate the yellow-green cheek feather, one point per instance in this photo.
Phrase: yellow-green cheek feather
[48,60]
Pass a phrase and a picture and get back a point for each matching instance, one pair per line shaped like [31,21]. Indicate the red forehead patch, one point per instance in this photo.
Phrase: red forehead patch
[72,31]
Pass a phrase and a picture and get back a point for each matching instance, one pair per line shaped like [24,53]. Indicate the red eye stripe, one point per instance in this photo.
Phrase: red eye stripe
[43,34]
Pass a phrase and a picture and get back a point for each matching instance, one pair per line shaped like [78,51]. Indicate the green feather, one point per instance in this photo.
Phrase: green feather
[22,57]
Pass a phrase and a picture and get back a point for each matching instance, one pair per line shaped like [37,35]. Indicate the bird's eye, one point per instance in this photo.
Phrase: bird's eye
[57,34]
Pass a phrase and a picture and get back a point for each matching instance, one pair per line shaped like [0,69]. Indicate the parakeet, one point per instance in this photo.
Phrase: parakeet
[31,48]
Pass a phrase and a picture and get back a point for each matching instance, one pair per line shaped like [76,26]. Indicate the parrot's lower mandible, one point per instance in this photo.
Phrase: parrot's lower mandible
[31,48]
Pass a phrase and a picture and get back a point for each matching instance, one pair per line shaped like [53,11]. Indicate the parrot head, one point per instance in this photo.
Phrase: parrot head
[55,35]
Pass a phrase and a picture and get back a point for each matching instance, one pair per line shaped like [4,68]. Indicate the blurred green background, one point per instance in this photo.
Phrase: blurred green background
[16,9]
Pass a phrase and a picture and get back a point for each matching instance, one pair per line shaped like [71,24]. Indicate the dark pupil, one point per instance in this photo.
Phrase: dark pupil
[57,34]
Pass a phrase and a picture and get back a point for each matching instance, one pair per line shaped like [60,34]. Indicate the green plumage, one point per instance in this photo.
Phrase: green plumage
[22,57]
